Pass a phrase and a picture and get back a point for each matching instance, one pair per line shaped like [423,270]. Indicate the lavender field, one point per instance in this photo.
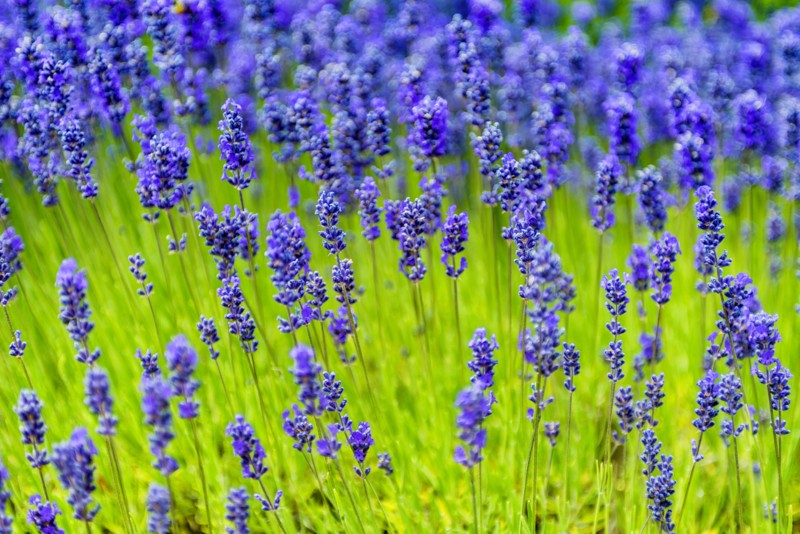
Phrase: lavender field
[399,266]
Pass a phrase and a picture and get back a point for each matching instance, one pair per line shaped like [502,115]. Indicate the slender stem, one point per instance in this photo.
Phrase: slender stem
[540,386]
[689,483]
[455,305]
[269,500]
[739,505]
[474,501]
[117,471]
[567,458]
[202,473]
[224,387]
[349,495]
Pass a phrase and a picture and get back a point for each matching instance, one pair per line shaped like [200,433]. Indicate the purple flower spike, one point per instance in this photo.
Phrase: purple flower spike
[182,361]
[235,147]
[74,460]
[455,233]
[43,514]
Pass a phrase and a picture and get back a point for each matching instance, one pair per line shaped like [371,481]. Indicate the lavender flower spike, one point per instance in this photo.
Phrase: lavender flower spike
[235,147]
[182,360]
[74,460]
[455,233]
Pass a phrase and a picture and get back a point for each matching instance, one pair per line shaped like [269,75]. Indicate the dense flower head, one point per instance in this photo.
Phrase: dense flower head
[628,64]
[163,169]
[182,361]
[707,402]
[32,427]
[411,234]
[608,176]
[287,256]
[487,147]
[754,128]
[660,482]
[763,335]
[652,198]
[73,143]
[616,304]
[378,128]
[551,431]
[368,210]
[328,210]
[209,335]
[74,312]
[360,442]
[238,511]
[247,448]
[159,502]
[429,129]
[695,156]
[17,347]
[344,284]
[240,322]
[99,400]
[641,268]
[156,397]
[455,233]
[625,411]
[298,427]
[730,395]
[474,406]
[622,119]
[235,147]
[43,515]
[306,372]
[665,251]
[483,360]
[74,460]
[149,362]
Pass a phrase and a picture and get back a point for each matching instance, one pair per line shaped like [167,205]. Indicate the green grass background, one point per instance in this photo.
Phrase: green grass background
[413,417]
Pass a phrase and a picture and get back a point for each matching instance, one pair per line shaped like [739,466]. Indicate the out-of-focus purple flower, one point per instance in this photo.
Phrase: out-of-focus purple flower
[695,158]
[247,448]
[6,521]
[306,373]
[641,268]
[73,143]
[74,460]
[429,131]
[628,65]
[652,198]
[455,233]
[369,212]
[99,401]
[156,397]
[299,428]
[43,514]
[607,179]
[72,286]
[483,360]
[209,335]
[665,251]
[238,511]
[159,502]
[622,119]
[753,128]
[32,427]
[182,361]
[473,408]
[136,268]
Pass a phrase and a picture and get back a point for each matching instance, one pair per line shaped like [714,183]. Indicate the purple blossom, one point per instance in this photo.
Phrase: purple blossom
[455,233]
[182,361]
